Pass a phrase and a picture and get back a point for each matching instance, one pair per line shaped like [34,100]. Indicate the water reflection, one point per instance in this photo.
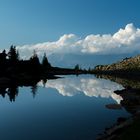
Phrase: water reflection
[73,116]
[87,85]
[125,82]
[71,85]
[12,91]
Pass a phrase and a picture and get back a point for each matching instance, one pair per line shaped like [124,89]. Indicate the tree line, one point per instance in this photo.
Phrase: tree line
[10,63]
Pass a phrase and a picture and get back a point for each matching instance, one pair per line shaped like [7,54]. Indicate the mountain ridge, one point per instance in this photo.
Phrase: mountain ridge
[128,65]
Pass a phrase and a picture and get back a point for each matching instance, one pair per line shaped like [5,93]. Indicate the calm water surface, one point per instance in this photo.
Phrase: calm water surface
[70,108]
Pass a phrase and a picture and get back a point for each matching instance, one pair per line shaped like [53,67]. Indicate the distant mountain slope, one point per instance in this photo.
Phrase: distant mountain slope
[126,64]
[85,60]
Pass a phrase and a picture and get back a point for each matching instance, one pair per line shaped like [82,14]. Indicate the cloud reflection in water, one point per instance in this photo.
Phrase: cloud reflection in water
[87,85]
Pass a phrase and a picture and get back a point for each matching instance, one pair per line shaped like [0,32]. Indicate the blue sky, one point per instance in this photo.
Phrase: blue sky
[34,21]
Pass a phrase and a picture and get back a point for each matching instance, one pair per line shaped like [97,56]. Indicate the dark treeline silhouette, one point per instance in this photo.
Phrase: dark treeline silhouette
[12,90]
[11,65]
[15,72]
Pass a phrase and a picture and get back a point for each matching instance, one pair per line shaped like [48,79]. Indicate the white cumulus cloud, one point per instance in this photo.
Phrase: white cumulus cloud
[125,40]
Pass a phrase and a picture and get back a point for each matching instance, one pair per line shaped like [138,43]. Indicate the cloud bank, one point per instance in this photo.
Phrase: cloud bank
[125,40]
[89,86]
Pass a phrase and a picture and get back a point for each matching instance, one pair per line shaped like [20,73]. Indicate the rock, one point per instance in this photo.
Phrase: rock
[121,120]
[114,132]
[126,64]
[114,106]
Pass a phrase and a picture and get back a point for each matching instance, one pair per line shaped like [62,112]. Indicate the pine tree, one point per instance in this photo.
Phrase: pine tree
[34,59]
[45,62]
[77,67]
[13,54]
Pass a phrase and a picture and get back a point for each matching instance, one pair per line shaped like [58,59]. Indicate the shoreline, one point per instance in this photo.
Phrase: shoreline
[131,102]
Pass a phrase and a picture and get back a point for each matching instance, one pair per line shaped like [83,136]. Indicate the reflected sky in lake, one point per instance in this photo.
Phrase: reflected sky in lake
[87,85]
[70,108]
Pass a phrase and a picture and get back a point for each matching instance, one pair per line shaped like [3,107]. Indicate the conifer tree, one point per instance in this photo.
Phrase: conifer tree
[45,62]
